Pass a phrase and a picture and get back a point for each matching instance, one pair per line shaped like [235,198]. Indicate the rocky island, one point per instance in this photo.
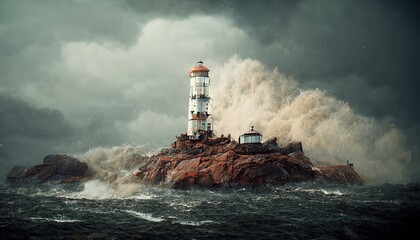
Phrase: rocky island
[55,167]
[217,162]
[222,162]
[198,159]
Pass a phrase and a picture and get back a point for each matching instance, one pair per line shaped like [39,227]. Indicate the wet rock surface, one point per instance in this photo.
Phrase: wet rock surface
[55,167]
[210,163]
[221,162]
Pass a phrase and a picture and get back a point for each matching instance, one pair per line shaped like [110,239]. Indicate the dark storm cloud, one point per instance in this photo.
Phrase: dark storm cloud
[27,132]
[362,52]
[19,116]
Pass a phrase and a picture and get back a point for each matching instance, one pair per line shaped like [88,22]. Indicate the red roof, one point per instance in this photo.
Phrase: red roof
[199,69]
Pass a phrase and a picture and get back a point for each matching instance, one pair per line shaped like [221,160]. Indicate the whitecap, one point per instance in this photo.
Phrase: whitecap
[143,196]
[60,220]
[323,191]
[195,223]
[179,206]
[326,192]
[145,216]
[96,189]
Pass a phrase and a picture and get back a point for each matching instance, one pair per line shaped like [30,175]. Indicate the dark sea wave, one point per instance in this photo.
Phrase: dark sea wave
[294,211]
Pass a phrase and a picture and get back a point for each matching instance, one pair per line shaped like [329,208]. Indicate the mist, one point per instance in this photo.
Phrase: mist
[330,130]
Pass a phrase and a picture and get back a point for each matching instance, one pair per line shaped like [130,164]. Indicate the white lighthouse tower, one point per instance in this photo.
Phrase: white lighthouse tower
[199,125]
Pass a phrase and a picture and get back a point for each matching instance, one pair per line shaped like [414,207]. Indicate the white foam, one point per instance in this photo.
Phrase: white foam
[143,196]
[337,192]
[145,216]
[323,191]
[96,189]
[195,223]
[118,158]
[183,207]
[60,220]
[116,164]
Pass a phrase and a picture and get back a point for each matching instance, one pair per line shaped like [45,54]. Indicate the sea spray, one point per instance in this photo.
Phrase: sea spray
[331,131]
[117,158]
[96,189]
[116,164]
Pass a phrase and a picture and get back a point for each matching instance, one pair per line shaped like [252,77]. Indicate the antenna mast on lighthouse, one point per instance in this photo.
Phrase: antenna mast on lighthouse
[199,127]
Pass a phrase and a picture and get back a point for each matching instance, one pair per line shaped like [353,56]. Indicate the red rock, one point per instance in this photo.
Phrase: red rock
[339,174]
[164,158]
[56,167]
[219,162]
[209,163]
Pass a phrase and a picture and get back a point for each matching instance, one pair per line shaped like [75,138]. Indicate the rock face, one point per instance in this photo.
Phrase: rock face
[209,163]
[55,167]
[221,162]
[339,174]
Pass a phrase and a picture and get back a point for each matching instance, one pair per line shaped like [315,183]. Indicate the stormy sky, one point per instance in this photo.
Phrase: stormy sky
[75,75]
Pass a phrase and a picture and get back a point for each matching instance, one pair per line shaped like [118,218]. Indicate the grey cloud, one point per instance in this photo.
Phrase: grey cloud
[19,117]
[27,132]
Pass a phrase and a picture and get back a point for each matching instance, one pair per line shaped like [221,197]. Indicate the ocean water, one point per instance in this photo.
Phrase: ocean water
[95,210]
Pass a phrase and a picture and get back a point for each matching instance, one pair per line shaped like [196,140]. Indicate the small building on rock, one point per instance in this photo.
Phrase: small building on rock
[252,136]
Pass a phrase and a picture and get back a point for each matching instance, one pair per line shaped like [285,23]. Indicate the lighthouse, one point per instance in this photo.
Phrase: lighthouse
[199,125]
